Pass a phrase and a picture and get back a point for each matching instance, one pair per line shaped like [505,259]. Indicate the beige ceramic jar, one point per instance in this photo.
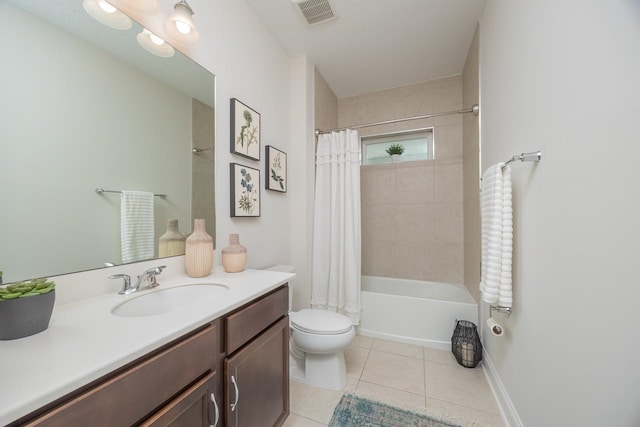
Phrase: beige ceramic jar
[234,256]
[172,242]
[199,251]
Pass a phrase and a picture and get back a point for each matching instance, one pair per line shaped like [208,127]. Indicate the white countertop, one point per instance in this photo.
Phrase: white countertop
[85,341]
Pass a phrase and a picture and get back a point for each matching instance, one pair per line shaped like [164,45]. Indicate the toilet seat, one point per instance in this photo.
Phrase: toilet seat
[321,322]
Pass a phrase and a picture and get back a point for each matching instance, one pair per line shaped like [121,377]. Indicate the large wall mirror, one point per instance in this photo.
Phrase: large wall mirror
[82,107]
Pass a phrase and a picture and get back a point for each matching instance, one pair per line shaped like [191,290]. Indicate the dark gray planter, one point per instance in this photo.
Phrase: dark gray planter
[26,316]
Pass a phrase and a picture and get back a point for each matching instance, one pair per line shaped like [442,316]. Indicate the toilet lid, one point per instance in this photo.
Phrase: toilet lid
[320,322]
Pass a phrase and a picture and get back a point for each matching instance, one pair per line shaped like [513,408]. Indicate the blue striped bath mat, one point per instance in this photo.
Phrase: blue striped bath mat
[354,411]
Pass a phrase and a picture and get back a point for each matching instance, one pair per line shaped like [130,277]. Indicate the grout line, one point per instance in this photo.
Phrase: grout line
[366,361]
[313,421]
[421,357]
[399,355]
[425,382]
[391,388]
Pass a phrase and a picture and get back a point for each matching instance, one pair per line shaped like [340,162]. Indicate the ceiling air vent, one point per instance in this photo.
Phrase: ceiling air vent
[315,11]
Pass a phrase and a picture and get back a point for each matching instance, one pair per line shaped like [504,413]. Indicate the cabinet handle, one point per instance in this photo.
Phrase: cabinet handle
[234,405]
[215,405]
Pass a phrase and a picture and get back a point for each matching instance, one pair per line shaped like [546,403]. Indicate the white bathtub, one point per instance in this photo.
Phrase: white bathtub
[413,311]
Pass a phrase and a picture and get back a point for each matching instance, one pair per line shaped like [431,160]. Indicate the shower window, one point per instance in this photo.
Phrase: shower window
[418,145]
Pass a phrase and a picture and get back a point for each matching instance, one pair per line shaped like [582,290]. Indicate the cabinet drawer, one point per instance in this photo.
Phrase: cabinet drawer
[249,321]
[197,406]
[133,394]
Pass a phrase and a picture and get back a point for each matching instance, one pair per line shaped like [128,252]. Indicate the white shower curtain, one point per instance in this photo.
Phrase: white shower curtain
[335,283]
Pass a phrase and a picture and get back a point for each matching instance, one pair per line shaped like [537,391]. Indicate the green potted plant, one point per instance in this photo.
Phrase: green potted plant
[26,308]
[395,151]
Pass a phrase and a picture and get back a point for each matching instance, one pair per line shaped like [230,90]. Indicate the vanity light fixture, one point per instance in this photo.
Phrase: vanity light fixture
[154,44]
[107,14]
[180,24]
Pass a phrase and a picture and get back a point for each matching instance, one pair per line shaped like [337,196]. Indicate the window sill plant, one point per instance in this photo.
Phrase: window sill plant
[395,151]
[25,308]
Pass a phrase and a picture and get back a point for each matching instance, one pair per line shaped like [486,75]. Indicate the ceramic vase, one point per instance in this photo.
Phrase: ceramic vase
[172,242]
[199,251]
[234,256]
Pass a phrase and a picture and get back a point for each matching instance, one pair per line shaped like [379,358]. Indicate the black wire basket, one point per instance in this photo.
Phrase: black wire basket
[465,344]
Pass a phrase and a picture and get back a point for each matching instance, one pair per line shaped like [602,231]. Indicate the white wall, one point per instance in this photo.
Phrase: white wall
[563,77]
[251,66]
[302,177]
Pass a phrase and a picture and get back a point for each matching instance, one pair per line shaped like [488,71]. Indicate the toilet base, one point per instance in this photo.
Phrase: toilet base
[296,368]
[321,370]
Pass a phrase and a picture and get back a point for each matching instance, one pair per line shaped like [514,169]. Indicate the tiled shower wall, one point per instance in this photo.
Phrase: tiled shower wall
[412,212]
[203,165]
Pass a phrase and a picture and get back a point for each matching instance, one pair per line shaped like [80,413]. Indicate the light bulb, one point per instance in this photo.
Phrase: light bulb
[106,6]
[156,40]
[154,44]
[107,14]
[183,27]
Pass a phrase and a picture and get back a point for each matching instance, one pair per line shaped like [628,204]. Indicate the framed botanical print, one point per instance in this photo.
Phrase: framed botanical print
[245,191]
[245,130]
[276,169]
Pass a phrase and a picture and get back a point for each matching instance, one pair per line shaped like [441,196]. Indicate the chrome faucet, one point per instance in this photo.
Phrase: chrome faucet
[127,283]
[148,277]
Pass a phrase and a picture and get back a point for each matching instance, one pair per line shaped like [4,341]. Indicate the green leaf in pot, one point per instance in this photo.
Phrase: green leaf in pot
[26,289]
[29,294]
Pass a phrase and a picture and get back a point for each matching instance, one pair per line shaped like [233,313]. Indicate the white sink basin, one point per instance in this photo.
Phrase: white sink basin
[166,300]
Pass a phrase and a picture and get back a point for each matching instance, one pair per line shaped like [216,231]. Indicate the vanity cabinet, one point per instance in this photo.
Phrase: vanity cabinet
[256,369]
[177,382]
[234,372]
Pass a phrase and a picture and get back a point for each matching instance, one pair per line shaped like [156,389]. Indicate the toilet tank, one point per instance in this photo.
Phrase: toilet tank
[285,269]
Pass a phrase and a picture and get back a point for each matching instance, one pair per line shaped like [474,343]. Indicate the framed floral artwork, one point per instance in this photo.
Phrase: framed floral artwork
[245,130]
[276,169]
[245,191]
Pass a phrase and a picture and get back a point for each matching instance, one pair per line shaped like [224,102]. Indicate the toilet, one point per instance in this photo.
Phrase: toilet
[316,343]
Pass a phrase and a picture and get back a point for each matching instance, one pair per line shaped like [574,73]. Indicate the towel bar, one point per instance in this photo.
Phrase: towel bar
[499,308]
[534,156]
[102,190]
[197,151]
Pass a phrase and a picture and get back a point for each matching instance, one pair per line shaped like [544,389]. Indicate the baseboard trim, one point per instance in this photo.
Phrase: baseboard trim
[505,405]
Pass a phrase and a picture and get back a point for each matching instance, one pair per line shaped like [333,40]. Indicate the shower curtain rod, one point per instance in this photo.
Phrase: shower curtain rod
[475,109]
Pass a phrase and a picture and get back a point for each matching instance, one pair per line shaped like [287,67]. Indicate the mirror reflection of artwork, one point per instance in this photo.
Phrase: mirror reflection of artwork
[245,191]
[245,130]
[276,168]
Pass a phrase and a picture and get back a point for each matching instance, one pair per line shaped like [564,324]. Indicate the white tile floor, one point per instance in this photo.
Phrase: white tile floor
[412,377]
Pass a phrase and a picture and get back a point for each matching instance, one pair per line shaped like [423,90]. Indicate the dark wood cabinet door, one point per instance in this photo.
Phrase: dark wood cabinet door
[257,380]
[195,407]
[128,397]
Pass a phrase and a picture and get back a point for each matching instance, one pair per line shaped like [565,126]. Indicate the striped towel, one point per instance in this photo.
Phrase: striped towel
[497,235]
[136,226]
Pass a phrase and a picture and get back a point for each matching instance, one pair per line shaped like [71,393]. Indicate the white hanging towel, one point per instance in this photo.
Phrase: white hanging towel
[497,235]
[136,226]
